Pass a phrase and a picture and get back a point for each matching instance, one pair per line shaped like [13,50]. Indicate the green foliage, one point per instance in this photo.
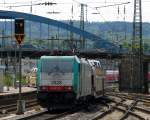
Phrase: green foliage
[125,44]
[8,80]
[24,81]
[111,31]
[146,46]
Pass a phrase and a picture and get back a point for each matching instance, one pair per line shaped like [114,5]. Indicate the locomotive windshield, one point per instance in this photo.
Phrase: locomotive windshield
[56,70]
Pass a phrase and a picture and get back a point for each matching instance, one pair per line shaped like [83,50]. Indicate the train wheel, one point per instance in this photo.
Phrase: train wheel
[50,109]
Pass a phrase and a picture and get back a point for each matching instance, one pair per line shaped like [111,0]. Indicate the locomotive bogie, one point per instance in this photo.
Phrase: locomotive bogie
[56,100]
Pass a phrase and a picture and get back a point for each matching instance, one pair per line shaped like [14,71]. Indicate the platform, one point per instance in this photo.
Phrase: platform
[16,91]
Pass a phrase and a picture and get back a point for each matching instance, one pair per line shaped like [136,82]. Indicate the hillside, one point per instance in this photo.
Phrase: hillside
[118,32]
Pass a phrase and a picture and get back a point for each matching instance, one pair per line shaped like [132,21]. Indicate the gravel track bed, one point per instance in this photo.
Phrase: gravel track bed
[115,115]
[144,115]
[132,118]
[86,114]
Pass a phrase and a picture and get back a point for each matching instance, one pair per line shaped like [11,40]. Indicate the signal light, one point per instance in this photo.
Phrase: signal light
[19,30]
[68,88]
[44,88]
[19,26]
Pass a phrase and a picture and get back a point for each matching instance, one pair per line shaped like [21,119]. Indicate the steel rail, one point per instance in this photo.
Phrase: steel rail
[110,110]
[128,108]
[12,107]
[130,113]
[45,115]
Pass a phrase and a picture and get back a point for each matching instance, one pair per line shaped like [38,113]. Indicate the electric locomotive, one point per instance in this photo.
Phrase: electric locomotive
[64,81]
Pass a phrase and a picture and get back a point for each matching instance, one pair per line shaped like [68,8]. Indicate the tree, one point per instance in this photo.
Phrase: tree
[8,80]
[146,47]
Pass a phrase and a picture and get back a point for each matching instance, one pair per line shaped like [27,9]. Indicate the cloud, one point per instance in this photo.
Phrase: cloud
[64,7]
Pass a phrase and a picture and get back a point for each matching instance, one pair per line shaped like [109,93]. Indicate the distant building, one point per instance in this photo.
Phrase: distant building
[28,65]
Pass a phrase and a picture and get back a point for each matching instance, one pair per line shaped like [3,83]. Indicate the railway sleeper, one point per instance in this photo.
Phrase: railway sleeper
[127,113]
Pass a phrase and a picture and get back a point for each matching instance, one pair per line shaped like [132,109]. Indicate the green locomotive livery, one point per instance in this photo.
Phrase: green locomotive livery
[64,81]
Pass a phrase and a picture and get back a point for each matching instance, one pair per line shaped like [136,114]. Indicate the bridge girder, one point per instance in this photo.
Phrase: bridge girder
[12,15]
[4,14]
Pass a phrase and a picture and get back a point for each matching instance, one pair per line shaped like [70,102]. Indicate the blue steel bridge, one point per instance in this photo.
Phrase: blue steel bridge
[51,41]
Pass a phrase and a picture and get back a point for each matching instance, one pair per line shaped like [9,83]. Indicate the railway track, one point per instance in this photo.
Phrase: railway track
[142,98]
[118,108]
[45,115]
[11,108]
[12,98]
[125,109]
[121,106]
[9,103]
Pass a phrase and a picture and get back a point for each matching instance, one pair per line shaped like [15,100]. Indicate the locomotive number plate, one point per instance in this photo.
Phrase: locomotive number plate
[56,82]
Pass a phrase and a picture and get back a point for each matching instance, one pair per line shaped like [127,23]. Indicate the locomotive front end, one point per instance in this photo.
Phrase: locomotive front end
[55,81]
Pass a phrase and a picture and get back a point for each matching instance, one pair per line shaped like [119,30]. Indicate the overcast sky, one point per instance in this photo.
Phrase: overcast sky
[64,6]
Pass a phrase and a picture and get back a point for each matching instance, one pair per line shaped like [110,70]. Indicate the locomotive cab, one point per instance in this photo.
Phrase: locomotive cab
[64,81]
[56,84]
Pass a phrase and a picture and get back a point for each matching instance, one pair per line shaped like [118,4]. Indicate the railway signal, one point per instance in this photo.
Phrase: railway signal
[19,30]
[19,35]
